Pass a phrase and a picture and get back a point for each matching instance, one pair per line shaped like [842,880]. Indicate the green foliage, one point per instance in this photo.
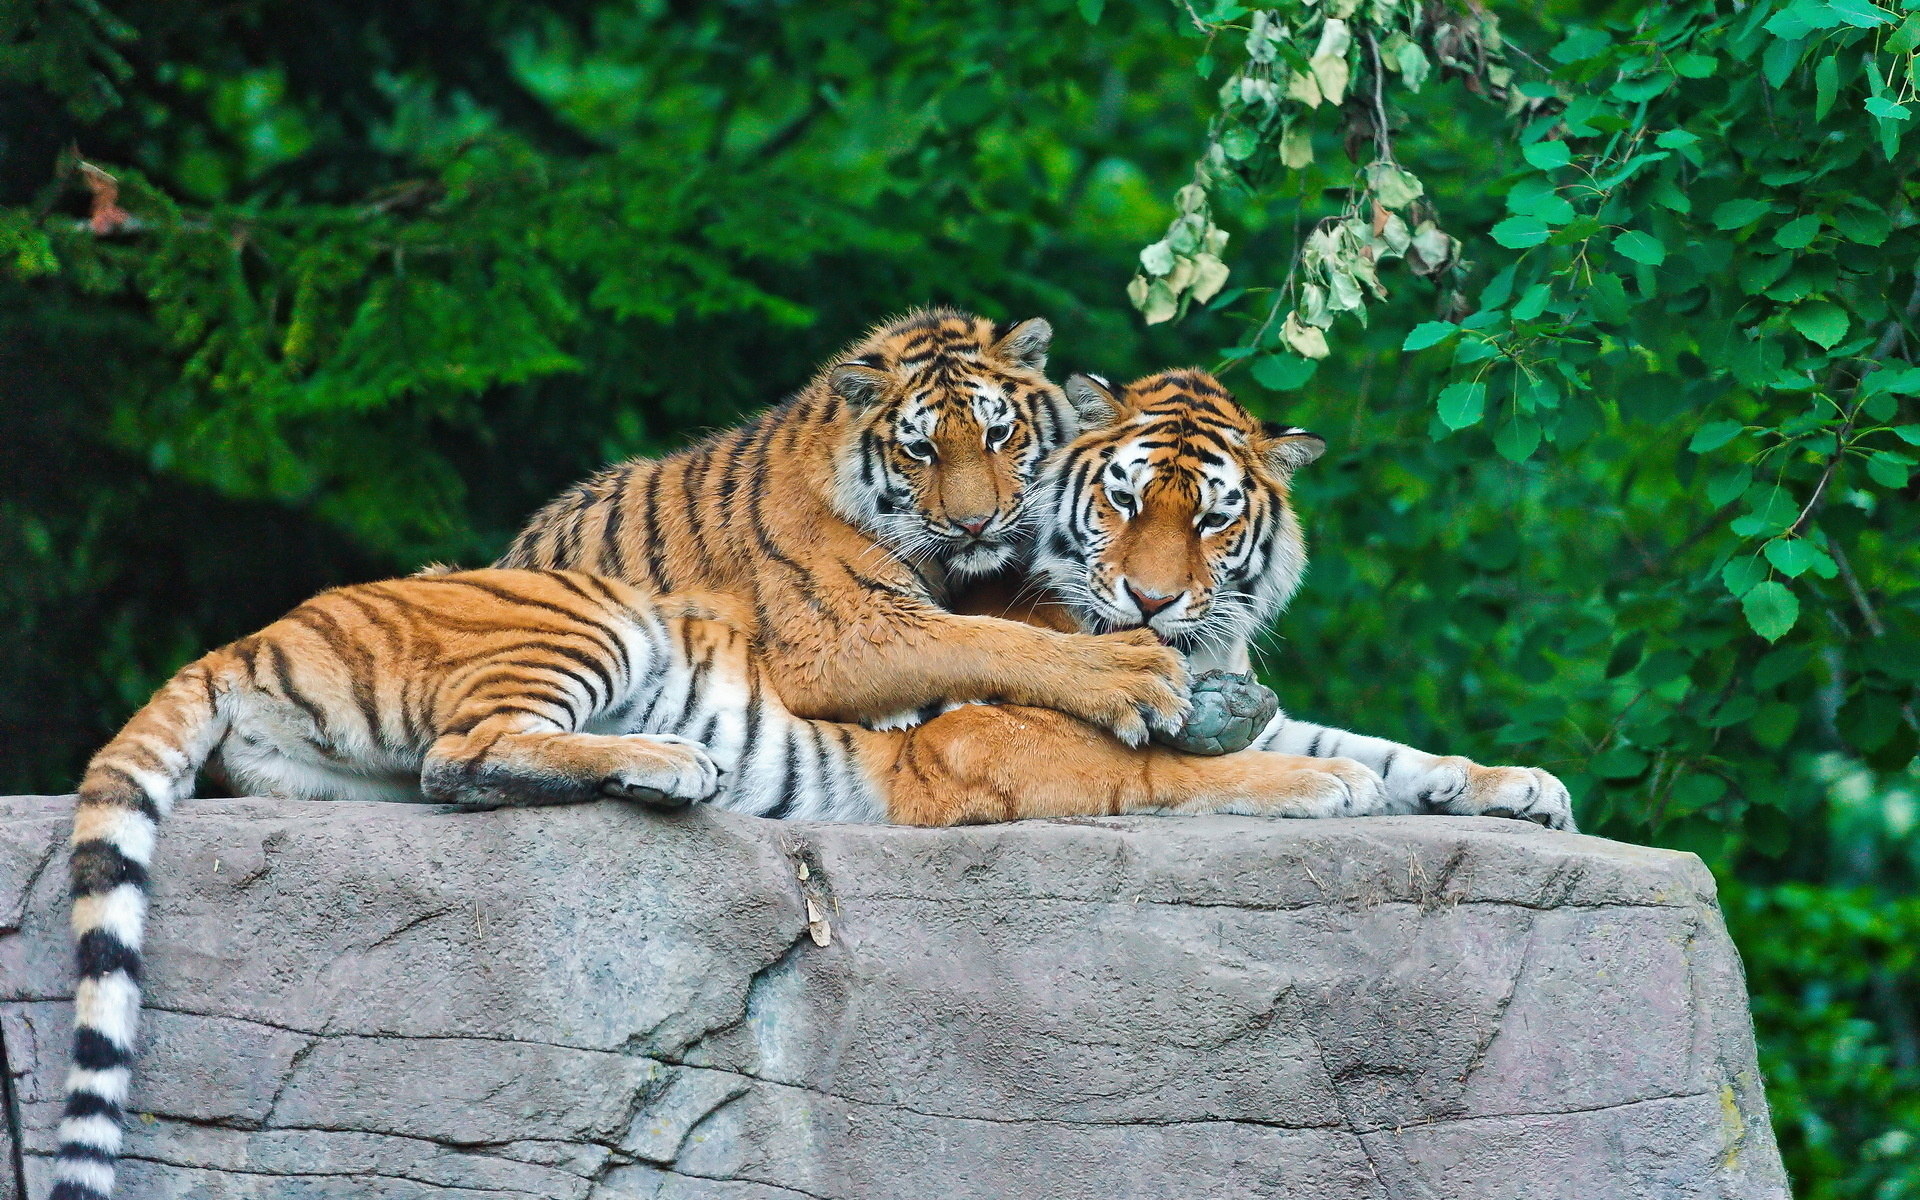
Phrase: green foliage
[1630,492]
[1607,313]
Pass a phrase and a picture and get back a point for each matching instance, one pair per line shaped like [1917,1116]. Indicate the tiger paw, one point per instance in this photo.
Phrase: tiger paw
[665,771]
[1228,712]
[1465,788]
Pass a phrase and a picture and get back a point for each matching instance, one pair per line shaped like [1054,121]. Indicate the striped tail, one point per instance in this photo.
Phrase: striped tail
[129,786]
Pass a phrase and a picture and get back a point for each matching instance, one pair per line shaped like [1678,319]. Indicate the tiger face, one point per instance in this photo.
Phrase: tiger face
[952,418]
[1172,514]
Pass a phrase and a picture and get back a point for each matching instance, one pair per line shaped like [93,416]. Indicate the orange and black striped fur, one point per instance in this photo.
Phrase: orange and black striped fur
[510,687]
[1174,516]
[844,517]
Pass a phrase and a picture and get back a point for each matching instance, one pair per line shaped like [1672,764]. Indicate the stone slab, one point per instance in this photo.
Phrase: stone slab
[605,1003]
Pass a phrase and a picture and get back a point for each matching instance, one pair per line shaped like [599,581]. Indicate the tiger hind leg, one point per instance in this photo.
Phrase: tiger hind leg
[497,765]
[1000,763]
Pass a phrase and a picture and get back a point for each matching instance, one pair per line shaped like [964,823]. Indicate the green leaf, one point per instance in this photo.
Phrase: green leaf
[1738,214]
[1578,230]
[1771,609]
[1462,404]
[1779,59]
[1772,510]
[1743,573]
[1792,557]
[1472,350]
[1692,793]
[1282,372]
[1820,322]
[1635,91]
[1548,155]
[1713,435]
[1910,434]
[1889,469]
[1429,333]
[1725,489]
[1666,195]
[1091,10]
[1796,21]
[1900,383]
[1695,66]
[1609,298]
[1826,85]
[1529,191]
[1554,210]
[1533,303]
[1880,106]
[1626,655]
[1499,288]
[1641,247]
[1676,139]
[1797,233]
[1869,226]
[1518,233]
[1621,762]
[1581,44]
[1860,13]
[1774,724]
[1904,39]
[1629,169]
[1517,437]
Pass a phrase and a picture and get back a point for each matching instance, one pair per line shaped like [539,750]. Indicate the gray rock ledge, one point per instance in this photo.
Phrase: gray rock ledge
[387,1002]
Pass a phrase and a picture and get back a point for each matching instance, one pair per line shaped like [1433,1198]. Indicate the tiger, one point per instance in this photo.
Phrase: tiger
[1172,515]
[506,687]
[844,518]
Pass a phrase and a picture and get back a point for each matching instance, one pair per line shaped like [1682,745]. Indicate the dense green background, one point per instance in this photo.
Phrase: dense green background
[379,278]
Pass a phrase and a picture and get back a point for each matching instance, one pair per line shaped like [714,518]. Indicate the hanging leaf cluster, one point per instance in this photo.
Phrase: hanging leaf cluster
[1301,67]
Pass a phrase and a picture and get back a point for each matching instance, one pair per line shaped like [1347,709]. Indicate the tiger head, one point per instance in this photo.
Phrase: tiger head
[951,418]
[1171,513]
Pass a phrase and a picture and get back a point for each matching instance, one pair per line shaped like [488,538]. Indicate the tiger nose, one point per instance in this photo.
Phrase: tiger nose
[974,525]
[1150,603]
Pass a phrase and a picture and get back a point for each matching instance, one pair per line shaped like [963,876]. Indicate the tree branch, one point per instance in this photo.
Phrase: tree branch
[1889,338]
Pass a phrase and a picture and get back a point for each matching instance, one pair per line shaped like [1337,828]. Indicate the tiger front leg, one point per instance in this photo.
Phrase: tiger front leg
[496,767]
[908,656]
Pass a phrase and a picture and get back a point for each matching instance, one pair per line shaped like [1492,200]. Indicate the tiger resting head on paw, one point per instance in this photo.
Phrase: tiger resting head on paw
[1171,513]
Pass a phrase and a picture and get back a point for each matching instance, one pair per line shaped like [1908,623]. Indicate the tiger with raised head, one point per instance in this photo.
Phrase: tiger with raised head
[844,517]
[1172,515]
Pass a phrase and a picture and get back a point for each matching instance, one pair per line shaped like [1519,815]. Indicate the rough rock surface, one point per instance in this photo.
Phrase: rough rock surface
[601,1003]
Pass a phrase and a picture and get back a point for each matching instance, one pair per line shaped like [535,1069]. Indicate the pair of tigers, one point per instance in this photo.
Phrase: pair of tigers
[737,621]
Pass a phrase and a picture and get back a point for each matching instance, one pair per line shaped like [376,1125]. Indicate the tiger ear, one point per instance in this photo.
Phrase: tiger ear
[1027,343]
[859,381]
[1092,397]
[1289,448]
